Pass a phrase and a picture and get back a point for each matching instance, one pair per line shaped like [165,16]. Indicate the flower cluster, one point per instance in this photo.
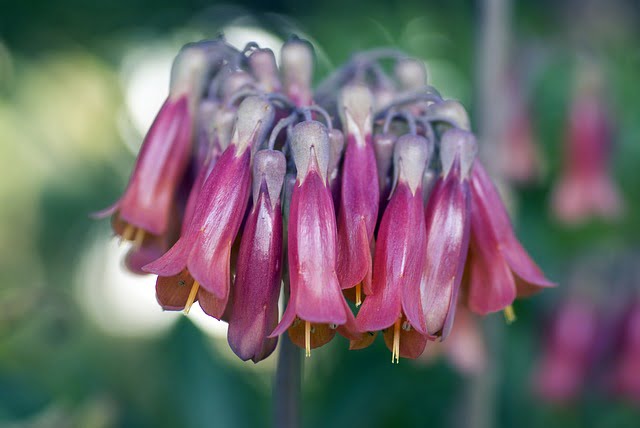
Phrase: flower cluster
[365,189]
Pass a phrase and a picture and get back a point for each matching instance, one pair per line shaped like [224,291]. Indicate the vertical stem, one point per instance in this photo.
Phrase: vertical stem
[480,398]
[288,382]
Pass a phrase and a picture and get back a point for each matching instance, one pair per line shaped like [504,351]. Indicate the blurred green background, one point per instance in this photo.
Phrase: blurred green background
[83,343]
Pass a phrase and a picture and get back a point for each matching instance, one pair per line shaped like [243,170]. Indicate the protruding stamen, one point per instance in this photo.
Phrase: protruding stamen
[127,233]
[358,294]
[192,297]
[509,314]
[395,352]
[307,339]
[137,241]
[406,326]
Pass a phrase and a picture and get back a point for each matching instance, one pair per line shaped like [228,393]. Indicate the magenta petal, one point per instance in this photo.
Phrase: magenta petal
[173,261]
[254,311]
[147,202]
[213,306]
[398,262]
[357,214]
[312,248]
[487,200]
[448,229]
[491,285]
[217,219]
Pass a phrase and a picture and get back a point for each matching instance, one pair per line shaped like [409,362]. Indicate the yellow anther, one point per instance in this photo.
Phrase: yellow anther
[509,314]
[192,297]
[395,351]
[358,294]
[127,233]
[137,241]
[307,339]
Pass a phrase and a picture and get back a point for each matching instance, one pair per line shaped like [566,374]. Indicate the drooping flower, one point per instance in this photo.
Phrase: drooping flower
[568,351]
[498,267]
[585,188]
[625,376]
[204,248]
[254,310]
[147,203]
[358,211]
[316,298]
[400,256]
[448,222]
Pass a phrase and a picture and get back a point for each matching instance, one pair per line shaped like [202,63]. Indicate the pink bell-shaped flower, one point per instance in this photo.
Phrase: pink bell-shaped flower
[204,248]
[359,196]
[400,256]
[316,304]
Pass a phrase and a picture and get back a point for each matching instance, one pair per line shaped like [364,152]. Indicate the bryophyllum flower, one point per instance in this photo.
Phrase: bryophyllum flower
[568,351]
[204,248]
[498,267]
[358,211]
[585,188]
[146,206]
[625,376]
[316,298]
[400,256]
[352,187]
[254,311]
[448,222]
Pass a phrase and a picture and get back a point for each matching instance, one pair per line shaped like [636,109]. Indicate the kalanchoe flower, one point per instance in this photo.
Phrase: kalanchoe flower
[316,297]
[262,63]
[498,267]
[147,203]
[254,310]
[359,200]
[400,256]
[625,378]
[448,229]
[568,351]
[204,248]
[585,188]
[297,61]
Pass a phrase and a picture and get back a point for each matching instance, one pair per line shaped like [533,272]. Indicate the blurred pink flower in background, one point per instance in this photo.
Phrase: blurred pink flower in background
[585,188]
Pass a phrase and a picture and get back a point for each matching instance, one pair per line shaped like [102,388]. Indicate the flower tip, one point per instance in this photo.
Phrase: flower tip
[411,73]
[450,111]
[263,65]
[253,121]
[356,104]
[297,57]
[410,157]
[310,139]
[269,166]
[458,144]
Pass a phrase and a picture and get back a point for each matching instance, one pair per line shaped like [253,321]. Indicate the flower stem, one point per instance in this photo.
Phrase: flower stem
[288,382]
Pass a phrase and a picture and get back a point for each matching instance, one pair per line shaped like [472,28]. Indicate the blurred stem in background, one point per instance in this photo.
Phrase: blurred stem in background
[492,28]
